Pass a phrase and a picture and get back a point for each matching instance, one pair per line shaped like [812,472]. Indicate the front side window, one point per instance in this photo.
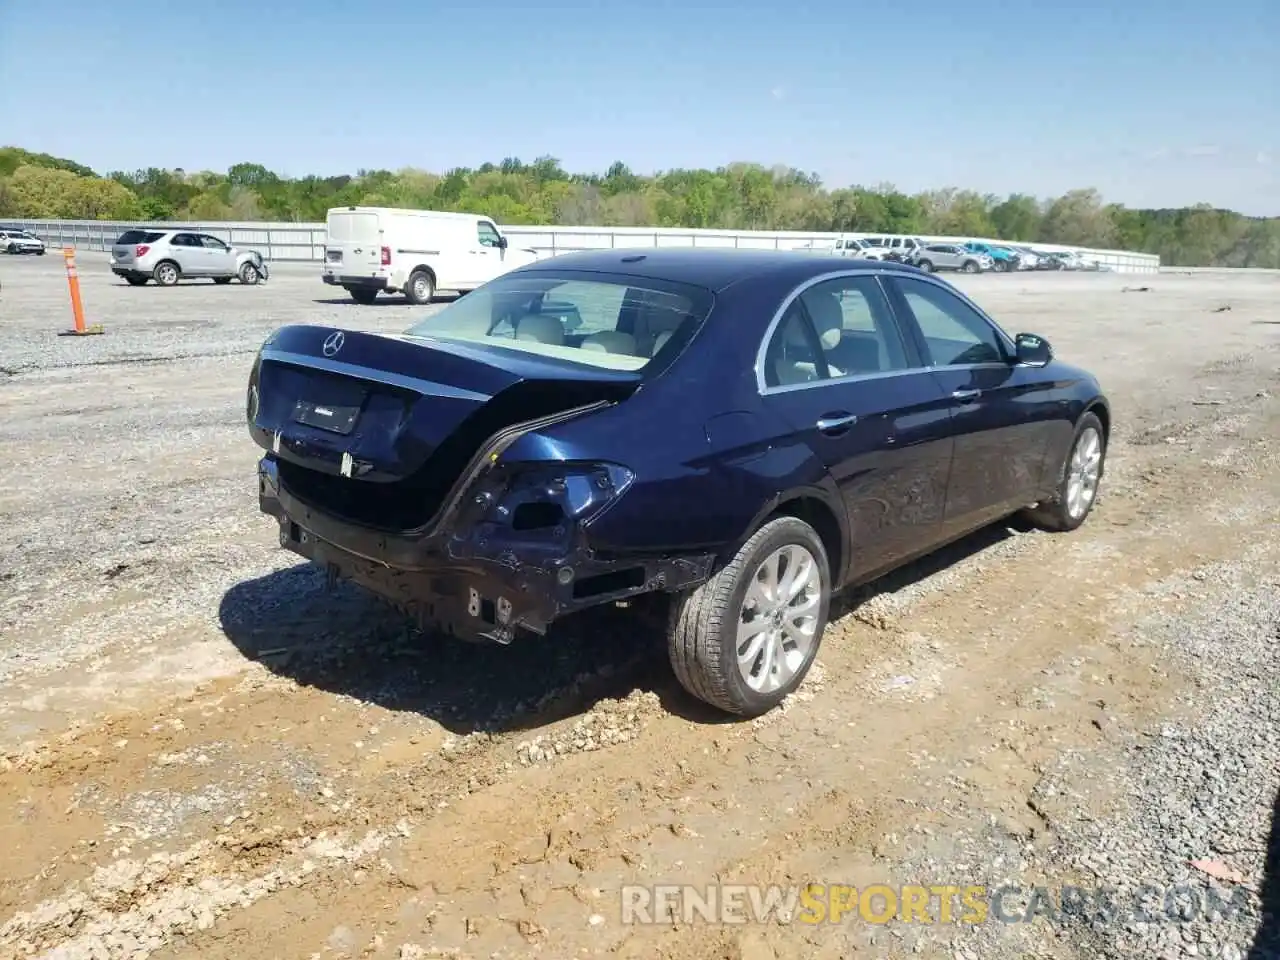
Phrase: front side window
[954,332]
[610,321]
[488,235]
[213,243]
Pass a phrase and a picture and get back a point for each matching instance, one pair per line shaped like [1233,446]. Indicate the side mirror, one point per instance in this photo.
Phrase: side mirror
[502,243]
[1032,350]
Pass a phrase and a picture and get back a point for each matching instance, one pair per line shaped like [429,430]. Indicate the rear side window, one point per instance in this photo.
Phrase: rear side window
[140,236]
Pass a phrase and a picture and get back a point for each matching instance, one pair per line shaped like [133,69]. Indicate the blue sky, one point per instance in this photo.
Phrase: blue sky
[1154,102]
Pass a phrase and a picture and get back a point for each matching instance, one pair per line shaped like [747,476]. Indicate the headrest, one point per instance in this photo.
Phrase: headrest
[611,341]
[544,329]
[828,318]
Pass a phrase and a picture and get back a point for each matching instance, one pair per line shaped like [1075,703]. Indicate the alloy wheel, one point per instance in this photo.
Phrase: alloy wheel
[778,621]
[1083,472]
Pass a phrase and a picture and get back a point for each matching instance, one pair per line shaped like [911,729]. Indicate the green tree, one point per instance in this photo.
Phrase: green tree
[735,196]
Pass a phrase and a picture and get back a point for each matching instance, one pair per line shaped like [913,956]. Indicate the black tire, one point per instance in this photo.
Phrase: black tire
[249,274]
[221,280]
[703,625]
[420,288]
[11,249]
[137,281]
[926,266]
[970,266]
[166,273]
[1056,514]
[365,295]
[40,252]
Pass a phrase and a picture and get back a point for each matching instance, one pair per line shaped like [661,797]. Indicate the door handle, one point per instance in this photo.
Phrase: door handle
[966,396]
[836,422]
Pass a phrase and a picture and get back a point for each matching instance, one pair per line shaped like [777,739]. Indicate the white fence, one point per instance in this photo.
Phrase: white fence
[305,241]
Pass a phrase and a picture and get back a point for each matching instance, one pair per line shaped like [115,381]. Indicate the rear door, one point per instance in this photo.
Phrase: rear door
[840,373]
[353,243]
[1003,412]
[189,252]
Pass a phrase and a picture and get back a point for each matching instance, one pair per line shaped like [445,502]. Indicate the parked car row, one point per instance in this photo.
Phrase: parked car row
[973,256]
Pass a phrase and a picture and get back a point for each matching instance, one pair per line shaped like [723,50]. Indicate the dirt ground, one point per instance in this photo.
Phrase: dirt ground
[205,753]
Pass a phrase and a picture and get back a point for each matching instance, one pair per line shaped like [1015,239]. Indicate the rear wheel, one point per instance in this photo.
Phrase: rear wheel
[166,273]
[1078,481]
[420,288]
[365,295]
[747,637]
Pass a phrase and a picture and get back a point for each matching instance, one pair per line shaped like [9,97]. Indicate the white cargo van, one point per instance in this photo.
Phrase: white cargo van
[416,252]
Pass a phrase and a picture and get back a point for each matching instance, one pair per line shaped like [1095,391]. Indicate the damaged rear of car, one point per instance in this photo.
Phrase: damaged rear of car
[426,466]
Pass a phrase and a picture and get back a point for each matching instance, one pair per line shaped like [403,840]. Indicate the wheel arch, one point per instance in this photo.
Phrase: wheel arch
[428,270]
[1102,410]
[162,261]
[818,508]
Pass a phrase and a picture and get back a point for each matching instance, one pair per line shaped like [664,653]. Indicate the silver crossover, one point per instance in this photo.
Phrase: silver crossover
[167,256]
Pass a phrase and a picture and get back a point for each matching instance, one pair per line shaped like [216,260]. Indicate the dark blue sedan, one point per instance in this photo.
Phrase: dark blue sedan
[743,431]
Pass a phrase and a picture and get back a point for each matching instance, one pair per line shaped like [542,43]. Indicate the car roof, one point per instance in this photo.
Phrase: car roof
[710,267]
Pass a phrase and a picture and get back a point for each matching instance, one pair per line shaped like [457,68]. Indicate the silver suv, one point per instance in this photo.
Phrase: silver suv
[950,256]
[167,256]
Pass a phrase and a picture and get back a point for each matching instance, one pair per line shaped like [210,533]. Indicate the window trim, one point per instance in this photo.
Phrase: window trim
[894,296]
[480,238]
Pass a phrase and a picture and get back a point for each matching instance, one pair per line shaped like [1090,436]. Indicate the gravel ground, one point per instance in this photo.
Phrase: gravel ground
[208,754]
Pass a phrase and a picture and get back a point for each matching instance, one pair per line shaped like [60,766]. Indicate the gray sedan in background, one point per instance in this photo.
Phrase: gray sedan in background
[950,256]
[167,256]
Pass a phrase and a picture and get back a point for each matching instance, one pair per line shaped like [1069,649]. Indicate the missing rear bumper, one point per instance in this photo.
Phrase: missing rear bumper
[478,589]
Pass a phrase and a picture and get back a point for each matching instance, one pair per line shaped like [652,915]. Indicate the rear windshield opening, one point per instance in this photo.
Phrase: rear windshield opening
[610,321]
[139,236]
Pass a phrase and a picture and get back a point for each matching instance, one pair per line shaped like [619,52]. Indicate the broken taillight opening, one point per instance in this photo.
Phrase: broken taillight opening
[386,256]
[141,250]
[546,498]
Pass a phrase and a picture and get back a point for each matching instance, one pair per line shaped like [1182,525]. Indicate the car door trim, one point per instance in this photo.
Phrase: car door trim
[879,274]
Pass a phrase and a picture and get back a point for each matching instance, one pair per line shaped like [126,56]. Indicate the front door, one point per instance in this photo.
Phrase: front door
[1002,412]
[487,253]
[842,376]
[218,259]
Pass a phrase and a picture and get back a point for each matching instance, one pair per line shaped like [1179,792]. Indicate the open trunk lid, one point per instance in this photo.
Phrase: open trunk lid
[376,428]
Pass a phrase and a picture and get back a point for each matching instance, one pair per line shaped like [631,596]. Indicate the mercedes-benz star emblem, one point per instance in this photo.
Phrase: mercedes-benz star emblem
[333,343]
